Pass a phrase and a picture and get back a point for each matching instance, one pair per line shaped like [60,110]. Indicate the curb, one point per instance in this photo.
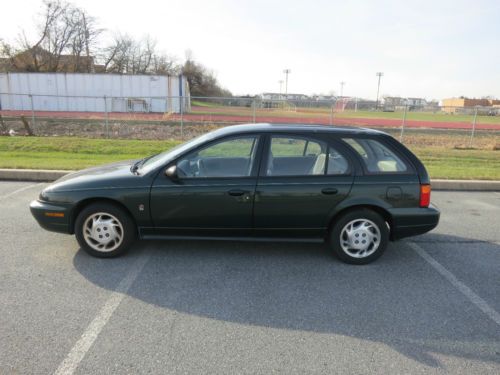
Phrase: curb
[52,175]
[39,175]
[466,185]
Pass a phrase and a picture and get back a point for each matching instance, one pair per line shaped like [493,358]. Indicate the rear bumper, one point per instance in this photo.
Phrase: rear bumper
[409,222]
[44,213]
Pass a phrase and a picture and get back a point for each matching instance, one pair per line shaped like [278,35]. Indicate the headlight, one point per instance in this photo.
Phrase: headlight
[43,196]
[46,196]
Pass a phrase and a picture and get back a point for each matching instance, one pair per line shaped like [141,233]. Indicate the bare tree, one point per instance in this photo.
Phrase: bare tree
[126,55]
[202,82]
[68,38]
[116,55]
[62,29]
[50,16]
[84,39]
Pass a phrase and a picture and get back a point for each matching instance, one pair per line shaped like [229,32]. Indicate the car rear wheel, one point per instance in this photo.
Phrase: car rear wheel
[359,236]
[104,230]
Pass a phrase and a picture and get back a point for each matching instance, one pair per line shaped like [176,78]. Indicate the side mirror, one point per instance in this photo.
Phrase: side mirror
[171,172]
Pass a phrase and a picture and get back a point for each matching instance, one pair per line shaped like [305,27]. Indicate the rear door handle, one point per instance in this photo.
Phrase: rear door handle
[329,191]
[237,192]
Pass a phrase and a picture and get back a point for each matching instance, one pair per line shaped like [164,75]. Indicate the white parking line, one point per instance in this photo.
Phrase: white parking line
[464,289]
[82,346]
[20,190]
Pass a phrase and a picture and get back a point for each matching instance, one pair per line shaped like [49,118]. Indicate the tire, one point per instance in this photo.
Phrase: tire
[104,230]
[364,225]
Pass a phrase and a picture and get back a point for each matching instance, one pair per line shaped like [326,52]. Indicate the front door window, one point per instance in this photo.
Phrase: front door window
[232,157]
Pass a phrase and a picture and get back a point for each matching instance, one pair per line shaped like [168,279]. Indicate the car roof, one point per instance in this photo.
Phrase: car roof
[265,127]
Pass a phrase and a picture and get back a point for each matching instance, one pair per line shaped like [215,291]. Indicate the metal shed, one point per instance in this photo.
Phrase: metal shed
[82,92]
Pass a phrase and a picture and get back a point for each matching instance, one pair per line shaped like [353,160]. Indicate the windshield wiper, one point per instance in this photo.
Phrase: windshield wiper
[136,165]
[139,163]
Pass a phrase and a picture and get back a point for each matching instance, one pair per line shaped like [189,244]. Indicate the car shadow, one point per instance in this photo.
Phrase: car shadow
[399,300]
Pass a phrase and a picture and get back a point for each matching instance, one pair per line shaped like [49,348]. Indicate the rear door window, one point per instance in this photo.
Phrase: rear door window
[377,157]
[297,156]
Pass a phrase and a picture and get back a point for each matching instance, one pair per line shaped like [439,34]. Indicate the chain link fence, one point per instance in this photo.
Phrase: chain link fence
[182,118]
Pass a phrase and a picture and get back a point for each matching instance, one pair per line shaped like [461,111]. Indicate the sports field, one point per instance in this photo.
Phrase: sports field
[210,113]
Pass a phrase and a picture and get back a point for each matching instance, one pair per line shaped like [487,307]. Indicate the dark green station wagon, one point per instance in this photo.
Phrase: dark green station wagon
[354,188]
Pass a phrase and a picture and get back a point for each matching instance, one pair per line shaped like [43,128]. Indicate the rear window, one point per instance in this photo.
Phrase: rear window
[378,158]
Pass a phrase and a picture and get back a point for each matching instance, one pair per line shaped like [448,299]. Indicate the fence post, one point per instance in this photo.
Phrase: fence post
[181,103]
[356,104]
[32,112]
[106,120]
[3,128]
[403,124]
[473,128]
[254,104]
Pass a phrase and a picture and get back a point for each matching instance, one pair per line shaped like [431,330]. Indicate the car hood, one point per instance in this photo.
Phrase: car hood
[105,176]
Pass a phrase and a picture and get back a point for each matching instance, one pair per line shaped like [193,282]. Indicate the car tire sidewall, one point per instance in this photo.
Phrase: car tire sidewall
[129,228]
[339,224]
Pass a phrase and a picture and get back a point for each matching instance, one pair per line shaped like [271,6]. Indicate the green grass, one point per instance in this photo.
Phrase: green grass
[420,116]
[72,153]
[198,103]
[460,164]
[78,153]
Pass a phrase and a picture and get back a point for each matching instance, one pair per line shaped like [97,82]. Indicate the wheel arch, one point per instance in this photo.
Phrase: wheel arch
[379,209]
[87,201]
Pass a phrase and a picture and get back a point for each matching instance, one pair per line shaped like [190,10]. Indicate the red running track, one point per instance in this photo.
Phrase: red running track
[217,118]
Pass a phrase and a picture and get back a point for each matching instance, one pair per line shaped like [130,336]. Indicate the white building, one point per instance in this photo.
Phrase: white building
[278,96]
[80,92]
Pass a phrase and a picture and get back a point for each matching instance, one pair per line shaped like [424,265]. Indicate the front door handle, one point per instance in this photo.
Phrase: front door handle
[237,192]
[329,191]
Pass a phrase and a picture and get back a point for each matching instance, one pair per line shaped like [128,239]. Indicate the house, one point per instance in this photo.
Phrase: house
[40,60]
[281,96]
[329,98]
[393,101]
[467,105]
[416,102]
[397,103]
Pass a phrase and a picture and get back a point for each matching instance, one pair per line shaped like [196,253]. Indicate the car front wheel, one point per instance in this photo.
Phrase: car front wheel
[359,236]
[104,230]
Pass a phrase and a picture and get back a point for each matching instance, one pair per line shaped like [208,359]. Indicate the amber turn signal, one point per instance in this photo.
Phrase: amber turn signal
[54,214]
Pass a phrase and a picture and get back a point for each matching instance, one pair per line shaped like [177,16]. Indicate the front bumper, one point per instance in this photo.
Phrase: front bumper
[408,222]
[55,217]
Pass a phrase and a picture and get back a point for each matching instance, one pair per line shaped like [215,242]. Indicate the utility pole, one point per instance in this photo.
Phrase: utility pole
[342,83]
[281,86]
[287,72]
[379,75]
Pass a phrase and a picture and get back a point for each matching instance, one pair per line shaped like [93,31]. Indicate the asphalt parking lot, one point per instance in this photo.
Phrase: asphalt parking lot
[431,304]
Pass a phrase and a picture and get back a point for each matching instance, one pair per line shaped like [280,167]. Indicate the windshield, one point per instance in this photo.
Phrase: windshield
[163,158]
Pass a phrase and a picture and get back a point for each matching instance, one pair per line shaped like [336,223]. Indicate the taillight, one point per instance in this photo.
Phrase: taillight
[425,195]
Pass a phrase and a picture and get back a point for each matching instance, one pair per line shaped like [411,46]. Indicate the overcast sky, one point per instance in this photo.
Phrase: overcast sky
[431,49]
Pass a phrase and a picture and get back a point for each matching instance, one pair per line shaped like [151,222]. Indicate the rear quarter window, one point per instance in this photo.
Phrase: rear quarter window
[377,157]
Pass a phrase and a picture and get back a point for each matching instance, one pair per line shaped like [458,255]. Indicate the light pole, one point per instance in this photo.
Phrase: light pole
[287,72]
[342,83]
[379,75]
